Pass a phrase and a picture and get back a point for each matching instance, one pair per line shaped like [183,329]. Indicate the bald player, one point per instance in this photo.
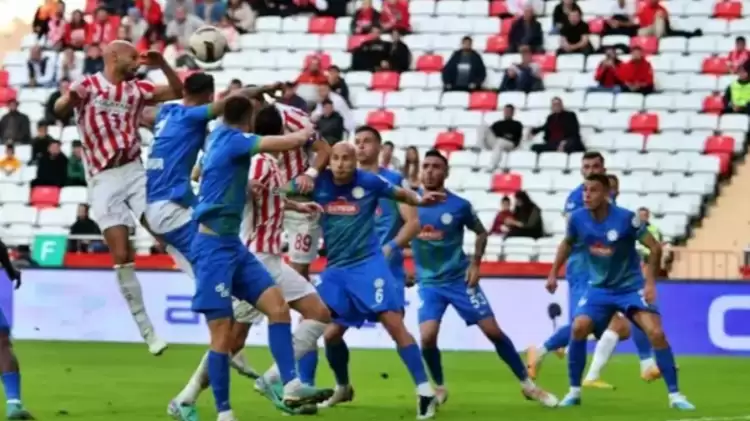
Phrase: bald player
[108,107]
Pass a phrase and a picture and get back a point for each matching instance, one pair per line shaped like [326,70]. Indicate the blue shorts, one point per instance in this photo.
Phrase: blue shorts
[358,294]
[396,265]
[577,288]
[4,325]
[601,304]
[182,239]
[225,268]
[470,303]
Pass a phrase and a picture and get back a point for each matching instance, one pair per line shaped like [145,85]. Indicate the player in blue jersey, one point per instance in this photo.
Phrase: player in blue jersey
[616,283]
[11,372]
[224,268]
[357,284]
[447,277]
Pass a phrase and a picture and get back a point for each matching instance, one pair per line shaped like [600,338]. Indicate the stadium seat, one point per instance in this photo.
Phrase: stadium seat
[715,65]
[725,163]
[381,119]
[355,41]
[385,81]
[596,25]
[429,63]
[450,141]
[496,44]
[728,9]
[45,197]
[644,123]
[547,62]
[483,101]
[713,104]
[719,144]
[4,78]
[7,94]
[498,8]
[505,25]
[649,45]
[507,183]
[322,25]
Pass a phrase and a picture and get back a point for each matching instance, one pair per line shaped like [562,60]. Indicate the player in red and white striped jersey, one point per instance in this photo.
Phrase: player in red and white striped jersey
[108,108]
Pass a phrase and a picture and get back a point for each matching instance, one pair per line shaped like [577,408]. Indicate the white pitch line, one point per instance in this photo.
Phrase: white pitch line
[736,418]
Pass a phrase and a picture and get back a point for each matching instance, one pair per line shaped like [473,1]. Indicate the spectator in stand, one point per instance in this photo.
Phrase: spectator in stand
[527,218]
[526,31]
[739,55]
[42,17]
[56,27]
[15,126]
[151,40]
[387,160]
[102,30]
[289,96]
[242,16]
[93,63]
[524,76]
[499,226]
[502,136]
[230,32]
[614,186]
[736,96]
[76,31]
[40,143]
[76,171]
[399,55]
[83,226]
[313,74]
[365,18]
[183,26]
[574,36]
[329,123]
[608,73]
[562,133]
[465,70]
[560,14]
[70,68]
[395,16]
[411,168]
[123,33]
[620,21]
[637,74]
[9,163]
[338,84]
[138,26]
[49,107]
[339,105]
[210,11]
[151,12]
[170,10]
[41,69]
[373,54]
[53,167]
[653,19]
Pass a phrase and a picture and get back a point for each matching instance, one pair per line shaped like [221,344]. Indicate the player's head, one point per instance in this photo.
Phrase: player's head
[122,57]
[434,170]
[368,142]
[614,185]
[238,113]
[343,161]
[268,122]
[644,214]
[257,100]
[596,191]
[198,89]
[592,163]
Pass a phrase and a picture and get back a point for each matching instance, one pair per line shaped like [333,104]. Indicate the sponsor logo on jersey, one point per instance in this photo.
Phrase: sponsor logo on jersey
[340,206]
[429,233]
[378,211]
[601,249]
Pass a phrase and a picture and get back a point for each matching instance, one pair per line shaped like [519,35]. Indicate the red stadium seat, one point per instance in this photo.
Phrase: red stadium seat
[596,25]
[356,40]
[719,144]
[322,25]
[385,81]
[498,8]
[649,45]
[725,163]
[6,95]
[713,104]
[715,66]
[497,44]
[450,141]
[429,63]
[547,62]
[644,123]
[507,183]
[505,25]
[4,78]
[381,119]
[483,101]
[325,60]
[728,9]
[45,197]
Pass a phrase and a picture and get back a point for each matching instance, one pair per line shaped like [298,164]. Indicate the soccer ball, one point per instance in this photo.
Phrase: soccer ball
[208,44]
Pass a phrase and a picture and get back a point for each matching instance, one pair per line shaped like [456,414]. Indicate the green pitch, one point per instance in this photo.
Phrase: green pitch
[118,382]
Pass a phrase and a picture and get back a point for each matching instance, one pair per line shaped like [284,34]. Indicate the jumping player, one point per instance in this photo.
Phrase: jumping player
[223,266]
[11,372]
[108,107]
[617,284]
[357,284]
[446,277]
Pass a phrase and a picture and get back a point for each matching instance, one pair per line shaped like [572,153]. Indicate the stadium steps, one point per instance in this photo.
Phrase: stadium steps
[716,246]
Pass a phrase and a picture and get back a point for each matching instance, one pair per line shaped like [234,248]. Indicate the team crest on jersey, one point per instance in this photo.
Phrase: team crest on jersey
[358,192]
[570,205]
[429,233]
[601,249]
[612,235]
[379,283]
[340,206]
[446,218]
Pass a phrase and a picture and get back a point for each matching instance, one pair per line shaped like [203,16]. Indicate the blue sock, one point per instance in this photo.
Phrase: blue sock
[307,366]
[507,352]
[665,362]
[218,377]
[338,359]
[280,342]
[642,343]
[412,359]
[12,385]
[432,358]
[576,361]
[559,339]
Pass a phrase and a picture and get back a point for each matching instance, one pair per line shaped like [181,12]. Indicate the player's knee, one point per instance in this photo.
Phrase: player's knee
[621,327]
[428,338]
[394,324]
[221,335]
[334,333]
[581,328]
[279,313]
[657,337]
[320,313]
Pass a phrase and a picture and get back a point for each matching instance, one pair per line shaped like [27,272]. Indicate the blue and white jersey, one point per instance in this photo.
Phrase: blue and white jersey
[575,269]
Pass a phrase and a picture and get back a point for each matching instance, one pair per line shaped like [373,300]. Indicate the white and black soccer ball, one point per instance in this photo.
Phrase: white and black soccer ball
[208,44]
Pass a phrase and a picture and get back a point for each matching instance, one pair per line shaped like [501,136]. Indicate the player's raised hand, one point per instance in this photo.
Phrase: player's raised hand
[152,58]
[472,275]
[649,293]
[304,135]
[311,208]
[304,183]
[431,198]
[255,187]
[551,284]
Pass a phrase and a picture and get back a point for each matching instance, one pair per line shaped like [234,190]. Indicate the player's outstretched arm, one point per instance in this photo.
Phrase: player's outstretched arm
[173,89]
[411,198]
[562,254]
[69,101]
[217,107]
[285,142]
[409,229]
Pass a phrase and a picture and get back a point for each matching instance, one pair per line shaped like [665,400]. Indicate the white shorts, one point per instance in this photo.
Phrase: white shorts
[165,216]
[118,195]
[303,235]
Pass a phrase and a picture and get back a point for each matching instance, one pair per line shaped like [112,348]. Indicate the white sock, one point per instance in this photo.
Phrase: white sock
[198,382]
[603,351]
[425,389]
[675,395]
[131,290]
[647,364]
[239,362]
[575,391]
[528,384]
[226,416]
[305,338]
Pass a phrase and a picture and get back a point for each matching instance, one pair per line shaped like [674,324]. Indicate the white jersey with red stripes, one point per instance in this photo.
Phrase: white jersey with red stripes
[295,162]
[264,215]
[108,118]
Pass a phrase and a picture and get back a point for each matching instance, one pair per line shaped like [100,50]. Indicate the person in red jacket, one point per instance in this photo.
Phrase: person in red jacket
[637,75]
[653,19]
[395,16]
[76,31]
[607,73]
[151,11]
[313,74]
[739,55]
[103,29]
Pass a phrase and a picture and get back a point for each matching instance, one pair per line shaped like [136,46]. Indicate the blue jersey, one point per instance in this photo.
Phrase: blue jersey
[575,269]
[609,247]
[388,219]
[348,222]
[438,252]
[179,134]
[223,188]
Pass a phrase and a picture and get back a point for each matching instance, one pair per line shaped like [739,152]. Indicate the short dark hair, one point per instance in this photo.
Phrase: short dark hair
[740,38]
[235,82]
[599,178]
[268,122]
[236,109]
[505,199]
[389,143]
[326,102]
[593,155]
[510,106]
[198,84]
[10,147]
[643,208]
[612,178]
[77,144]
[370,129]
[334,67]
[466,38]
[42,123]
[436,153]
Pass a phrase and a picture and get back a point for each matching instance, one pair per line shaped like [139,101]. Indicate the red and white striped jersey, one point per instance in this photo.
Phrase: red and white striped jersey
[264,216]
[295,162]
[108,118]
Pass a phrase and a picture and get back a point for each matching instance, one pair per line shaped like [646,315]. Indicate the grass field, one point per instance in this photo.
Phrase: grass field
[118,382]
